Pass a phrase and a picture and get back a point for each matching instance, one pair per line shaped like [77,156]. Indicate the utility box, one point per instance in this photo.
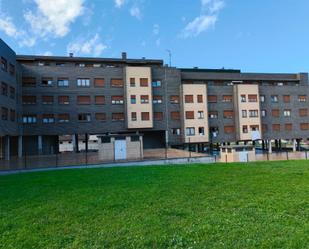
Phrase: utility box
[115,147]
[237,153]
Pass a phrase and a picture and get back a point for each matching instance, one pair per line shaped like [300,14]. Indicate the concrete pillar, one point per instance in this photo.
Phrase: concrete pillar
[270,149]
[280,145]
[7,152]
[86,142]
[294,145]
[20,146]
[40,145]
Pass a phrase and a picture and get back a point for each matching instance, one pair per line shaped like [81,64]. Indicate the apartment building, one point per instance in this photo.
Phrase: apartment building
[45,97]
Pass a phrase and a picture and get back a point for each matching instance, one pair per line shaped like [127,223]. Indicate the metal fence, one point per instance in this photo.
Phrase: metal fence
[84,158]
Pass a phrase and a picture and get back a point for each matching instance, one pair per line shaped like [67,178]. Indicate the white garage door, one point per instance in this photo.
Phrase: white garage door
[120,149]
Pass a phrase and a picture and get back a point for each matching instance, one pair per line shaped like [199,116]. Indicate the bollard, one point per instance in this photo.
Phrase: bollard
[287,155]
[225,158]
[247,157]
[215,158]
[56,159]
[306,155]
[267,157]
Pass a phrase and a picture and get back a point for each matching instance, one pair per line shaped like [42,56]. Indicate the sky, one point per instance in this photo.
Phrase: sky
[251,35]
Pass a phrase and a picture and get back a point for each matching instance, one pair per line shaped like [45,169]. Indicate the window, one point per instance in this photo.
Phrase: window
[4,64]
[85,117]
[157,99]
[244,129]
[143,82]
[227,98]
[302,98]
[117,100]
[243,98]
[287,113]
[262,98]
[99,100]
[304,126]
[275,113]
[253,113]
[214,131]
[63,82]
[286,98]
[274,98]
[83,100]
[60,64]
[83,82]
[175,115]
[156,83]
[158,116]
[276,127]
[252,98]
[199,98]
[213,114]
[28,100]
[212,98]
[145,116]
[4,89]
[174,99]
[254,127]
[264,113]
[47,100]
[190,131]
[303,112]
[264,127]
[188,98]
[97,65]
[63,100]
[189,114]
[244,113]
[288,127]
[116,83]
[132,82]
[29,119]
[28,81]
[133,116]
[229,129]
[12,69]
[12,92]
[48,118]
[99,82]
[47,81]
[117,116]
[63,117]
[80,65]
[175,131]
[200,115]
[228,114]
[144,99]
[4,113]
[100,116]
[201,131]
[133,99]
[12,115]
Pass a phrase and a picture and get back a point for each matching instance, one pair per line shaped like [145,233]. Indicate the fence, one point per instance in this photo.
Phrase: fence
[89,158]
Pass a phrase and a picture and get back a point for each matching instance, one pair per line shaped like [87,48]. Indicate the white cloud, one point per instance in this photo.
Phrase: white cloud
[92,46]
[54,17]
[199,25]
[48,53]
[119,3]
[136,12]
[8,27]
[156,29]
[207,19]
[158,42]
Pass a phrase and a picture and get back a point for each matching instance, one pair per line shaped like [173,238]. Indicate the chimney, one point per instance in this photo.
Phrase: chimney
[124,55]
[71,54]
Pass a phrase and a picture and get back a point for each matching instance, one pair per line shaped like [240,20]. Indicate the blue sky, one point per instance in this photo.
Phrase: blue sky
[254,36]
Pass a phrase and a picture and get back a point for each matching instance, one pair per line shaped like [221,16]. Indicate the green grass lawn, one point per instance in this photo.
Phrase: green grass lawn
[256,205]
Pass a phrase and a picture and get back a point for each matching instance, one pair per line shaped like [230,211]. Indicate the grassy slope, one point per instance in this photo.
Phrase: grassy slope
[258,205]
